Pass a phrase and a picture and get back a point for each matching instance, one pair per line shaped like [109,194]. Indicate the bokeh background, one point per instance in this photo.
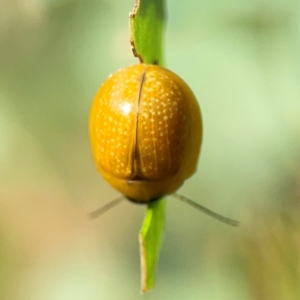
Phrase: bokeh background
[242,60]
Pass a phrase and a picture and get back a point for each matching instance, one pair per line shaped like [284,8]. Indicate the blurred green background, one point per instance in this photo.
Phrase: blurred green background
[242,60]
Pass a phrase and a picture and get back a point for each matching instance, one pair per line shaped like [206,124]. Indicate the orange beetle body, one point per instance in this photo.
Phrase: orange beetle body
[145,130]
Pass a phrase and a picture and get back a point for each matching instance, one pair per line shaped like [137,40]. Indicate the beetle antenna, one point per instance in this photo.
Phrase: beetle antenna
[207,211]
[102,209]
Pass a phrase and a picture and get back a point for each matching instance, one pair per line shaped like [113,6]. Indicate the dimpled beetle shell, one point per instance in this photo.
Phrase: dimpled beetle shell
[145,131]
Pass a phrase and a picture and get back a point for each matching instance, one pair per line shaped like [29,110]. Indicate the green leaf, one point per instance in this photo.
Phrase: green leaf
[146,25]
[146,38]
[150,239]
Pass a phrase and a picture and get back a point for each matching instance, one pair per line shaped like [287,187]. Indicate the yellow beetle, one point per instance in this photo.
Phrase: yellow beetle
[145,131]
